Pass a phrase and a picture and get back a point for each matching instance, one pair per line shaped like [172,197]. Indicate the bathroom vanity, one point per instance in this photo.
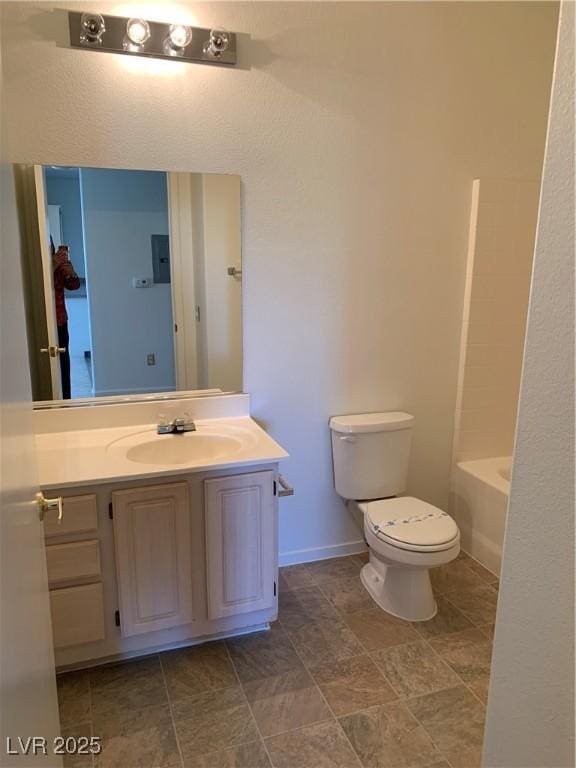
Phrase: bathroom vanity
[164,540]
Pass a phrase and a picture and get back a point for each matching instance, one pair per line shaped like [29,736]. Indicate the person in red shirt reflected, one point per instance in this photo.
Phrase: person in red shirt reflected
[64,278]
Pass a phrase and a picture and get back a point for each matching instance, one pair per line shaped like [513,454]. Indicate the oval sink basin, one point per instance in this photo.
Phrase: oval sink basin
[188,448]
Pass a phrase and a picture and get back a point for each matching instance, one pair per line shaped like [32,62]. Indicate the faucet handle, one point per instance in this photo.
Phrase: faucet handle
[186,423]
[164,425]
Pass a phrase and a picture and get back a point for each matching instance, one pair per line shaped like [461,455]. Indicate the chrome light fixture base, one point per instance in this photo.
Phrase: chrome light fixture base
[142,37]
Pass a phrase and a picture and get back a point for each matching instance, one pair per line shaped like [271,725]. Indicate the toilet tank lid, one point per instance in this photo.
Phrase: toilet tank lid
[371,422]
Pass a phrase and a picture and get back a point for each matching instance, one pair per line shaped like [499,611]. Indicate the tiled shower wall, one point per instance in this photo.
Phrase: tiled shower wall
[501,245]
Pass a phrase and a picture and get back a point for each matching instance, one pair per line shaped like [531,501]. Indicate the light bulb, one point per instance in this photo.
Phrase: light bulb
[137,31]
[92,28]
[180,35]
[218,42]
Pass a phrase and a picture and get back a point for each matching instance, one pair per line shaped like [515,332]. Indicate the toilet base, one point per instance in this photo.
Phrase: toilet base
[404,592]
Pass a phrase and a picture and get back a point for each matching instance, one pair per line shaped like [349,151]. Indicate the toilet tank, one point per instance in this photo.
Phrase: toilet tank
[370,452]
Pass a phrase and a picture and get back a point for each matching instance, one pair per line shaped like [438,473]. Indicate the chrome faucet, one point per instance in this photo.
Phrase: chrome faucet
[177,426]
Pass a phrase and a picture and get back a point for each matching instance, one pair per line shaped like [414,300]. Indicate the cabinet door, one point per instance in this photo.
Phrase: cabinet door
[240,543]
[153,557]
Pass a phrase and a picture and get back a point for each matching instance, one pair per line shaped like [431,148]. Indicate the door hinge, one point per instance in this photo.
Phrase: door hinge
[175,327]
[274,589]
[110,511]
[117,618]
[275,488]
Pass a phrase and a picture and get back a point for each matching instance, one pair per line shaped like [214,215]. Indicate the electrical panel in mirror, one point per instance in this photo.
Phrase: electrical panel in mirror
[132,282]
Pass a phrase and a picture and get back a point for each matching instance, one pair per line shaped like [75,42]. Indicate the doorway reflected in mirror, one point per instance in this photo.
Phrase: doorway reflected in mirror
[132,281]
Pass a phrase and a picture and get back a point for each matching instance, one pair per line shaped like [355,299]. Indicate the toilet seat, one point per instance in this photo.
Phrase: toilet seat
[411,524]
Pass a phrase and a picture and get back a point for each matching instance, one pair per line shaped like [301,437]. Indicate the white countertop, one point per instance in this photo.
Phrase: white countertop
[92,456]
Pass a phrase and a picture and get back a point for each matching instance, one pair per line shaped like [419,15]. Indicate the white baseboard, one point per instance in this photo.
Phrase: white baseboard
[322,553]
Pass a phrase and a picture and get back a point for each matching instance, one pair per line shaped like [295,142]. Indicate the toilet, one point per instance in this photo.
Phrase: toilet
[405,535]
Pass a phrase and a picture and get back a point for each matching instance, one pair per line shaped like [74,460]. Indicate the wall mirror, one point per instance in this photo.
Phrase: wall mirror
[132,282]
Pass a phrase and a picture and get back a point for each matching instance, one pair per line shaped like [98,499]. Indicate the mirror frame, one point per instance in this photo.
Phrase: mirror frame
[150,397]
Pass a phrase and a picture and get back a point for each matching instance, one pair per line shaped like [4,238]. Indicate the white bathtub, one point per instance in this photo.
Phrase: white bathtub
[479,502]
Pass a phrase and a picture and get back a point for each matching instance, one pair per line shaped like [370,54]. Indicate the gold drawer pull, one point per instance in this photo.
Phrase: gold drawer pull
[45,504]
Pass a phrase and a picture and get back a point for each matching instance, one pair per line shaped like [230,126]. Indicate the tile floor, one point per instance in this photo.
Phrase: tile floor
[80,376]
[336,682]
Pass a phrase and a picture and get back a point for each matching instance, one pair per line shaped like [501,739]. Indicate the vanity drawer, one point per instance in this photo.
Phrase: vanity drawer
[67,562]
[80,516]
[77,615]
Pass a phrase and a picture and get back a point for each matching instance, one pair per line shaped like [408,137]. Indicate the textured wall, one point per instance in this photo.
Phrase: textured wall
[357,129]
[503,227]
[530,721]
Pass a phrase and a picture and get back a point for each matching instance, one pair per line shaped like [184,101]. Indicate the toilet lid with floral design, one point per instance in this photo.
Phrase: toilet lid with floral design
[410,521]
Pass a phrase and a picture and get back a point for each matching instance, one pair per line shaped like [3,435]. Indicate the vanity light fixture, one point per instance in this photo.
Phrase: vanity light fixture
[142,37]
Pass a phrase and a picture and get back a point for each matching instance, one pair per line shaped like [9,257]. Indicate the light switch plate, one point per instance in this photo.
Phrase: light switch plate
[142,282]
